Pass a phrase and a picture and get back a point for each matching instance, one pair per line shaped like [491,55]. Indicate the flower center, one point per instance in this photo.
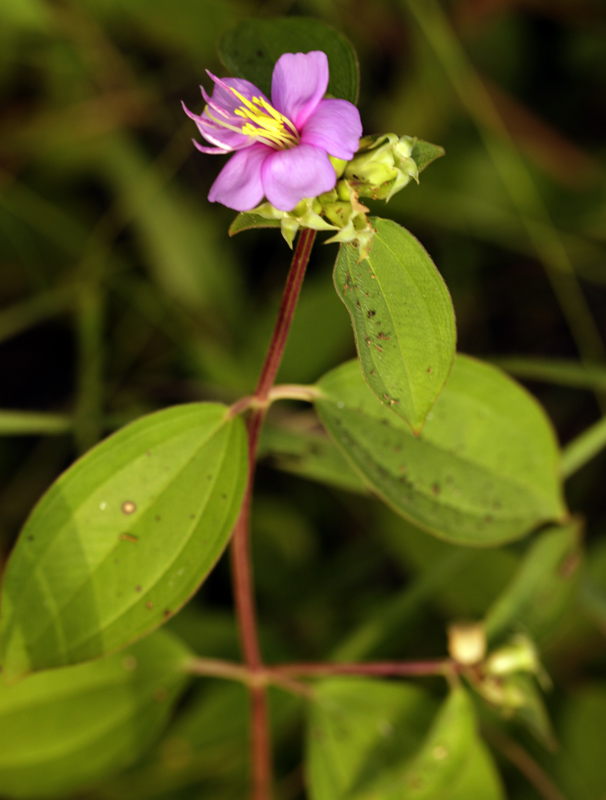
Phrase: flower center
[263,123]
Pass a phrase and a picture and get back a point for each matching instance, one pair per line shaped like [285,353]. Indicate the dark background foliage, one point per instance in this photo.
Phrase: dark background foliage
[121,293]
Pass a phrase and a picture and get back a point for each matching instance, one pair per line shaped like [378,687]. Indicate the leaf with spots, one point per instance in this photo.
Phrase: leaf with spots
[308,453]
[376,740]
[402,317]
[63,730]
[484,470]
[124,538]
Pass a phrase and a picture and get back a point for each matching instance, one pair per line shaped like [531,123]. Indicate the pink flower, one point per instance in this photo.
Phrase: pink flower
[280,148]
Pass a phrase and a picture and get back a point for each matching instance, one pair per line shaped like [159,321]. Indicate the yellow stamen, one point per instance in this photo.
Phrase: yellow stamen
[266,124]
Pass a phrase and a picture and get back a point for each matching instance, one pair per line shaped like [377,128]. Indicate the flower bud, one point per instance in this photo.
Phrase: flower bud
[338,164]
[519,655]
[467,642]
[505,694]
[342,207]
[305,214]
[382,166]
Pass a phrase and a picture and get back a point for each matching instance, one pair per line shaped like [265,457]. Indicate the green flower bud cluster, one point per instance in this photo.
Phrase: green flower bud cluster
[342,207]
[305,215]
[382,166]
[505,677]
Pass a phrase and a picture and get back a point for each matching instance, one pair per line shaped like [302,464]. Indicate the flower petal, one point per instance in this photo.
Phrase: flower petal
[223,97]
[239,185]
[220,112]
[290,175]
[334,126]
[298,83]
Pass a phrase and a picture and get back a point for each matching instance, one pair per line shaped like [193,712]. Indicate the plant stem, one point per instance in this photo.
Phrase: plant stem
[391,668]
[283,675]
[286,312]
[240,549]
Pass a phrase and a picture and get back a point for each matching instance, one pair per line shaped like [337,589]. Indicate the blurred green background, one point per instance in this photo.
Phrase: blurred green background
[121,293]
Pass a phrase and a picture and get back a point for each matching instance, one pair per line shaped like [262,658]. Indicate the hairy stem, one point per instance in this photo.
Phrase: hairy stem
[240,549]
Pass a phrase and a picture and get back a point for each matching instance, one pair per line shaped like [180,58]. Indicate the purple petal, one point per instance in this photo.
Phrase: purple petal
[334,126]
[226,99]
[238,185]
[298,83]
[290,175]
[220,110]
[222,137]
[213,151]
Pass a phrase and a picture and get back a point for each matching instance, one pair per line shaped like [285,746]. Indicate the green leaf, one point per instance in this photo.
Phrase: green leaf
[342,742]
[484,469]
[310,454]
[247,221]
[60,731]
[424,153]
[124,538]
[410,757]
[208,741]
[540,592]
[251,49]
[442,755]
[479,779]
[403,320]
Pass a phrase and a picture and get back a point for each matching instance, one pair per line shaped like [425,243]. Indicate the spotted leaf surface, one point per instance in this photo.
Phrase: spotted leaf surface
[63,730]
[124,538]
[484,469]
[403,320]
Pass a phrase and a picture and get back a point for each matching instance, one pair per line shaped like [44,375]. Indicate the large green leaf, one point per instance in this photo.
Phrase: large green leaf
[483,470]
[540,593]
[361,727]
[403,320]
[207,742]
[374,740]
[310,454]
[62,730]
[443,753]
[251,49]
[479,779]
[124,538]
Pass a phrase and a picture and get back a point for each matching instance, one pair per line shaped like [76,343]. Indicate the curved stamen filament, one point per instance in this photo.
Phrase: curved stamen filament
[263,122]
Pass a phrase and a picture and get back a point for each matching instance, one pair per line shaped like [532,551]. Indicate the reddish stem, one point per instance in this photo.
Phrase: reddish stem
[240,550]
[286,312]
[401,668]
